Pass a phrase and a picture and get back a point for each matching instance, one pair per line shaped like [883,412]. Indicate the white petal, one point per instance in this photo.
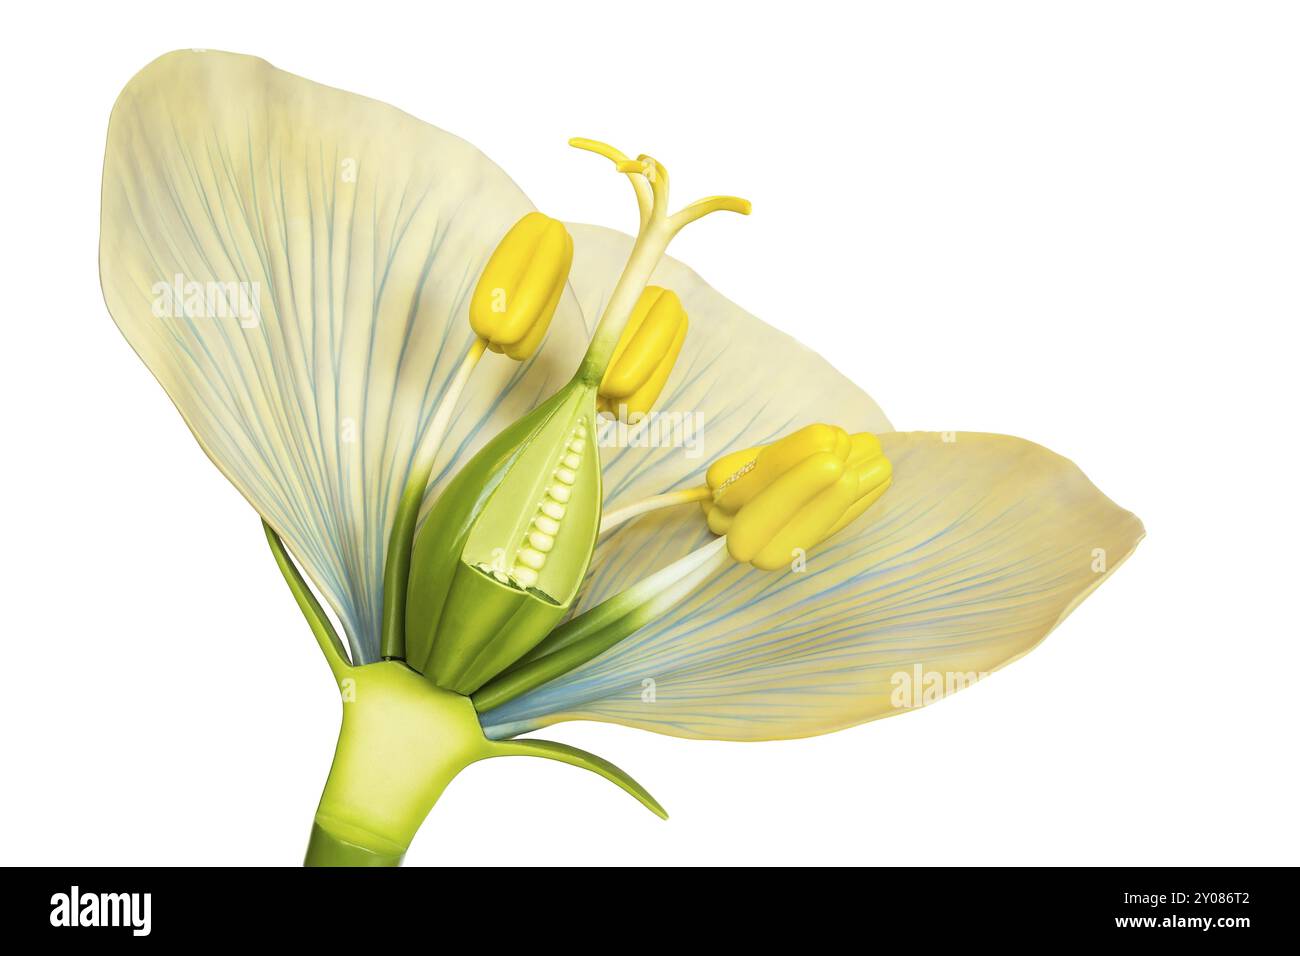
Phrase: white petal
[980,548]
[357,233]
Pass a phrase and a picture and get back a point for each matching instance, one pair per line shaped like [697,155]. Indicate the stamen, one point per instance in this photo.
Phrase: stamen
[397,565]
[597,629]
[612,519]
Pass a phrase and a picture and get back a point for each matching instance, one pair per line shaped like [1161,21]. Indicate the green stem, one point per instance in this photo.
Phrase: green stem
[403,740]
[328,639]
[595,631]
[326,849]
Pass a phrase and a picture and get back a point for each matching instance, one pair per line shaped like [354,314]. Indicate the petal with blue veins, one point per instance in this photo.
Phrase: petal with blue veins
[983,544]
[294,265]
[737,383]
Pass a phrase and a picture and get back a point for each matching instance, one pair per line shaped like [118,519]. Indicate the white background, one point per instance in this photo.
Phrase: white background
[1077,223]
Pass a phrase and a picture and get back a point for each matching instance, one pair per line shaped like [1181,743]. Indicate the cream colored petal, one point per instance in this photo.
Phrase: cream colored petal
[333,243]
[737,383]
[979,549]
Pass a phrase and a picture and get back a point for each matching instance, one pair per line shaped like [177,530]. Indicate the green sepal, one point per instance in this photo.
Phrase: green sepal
[331,644]
[580,758]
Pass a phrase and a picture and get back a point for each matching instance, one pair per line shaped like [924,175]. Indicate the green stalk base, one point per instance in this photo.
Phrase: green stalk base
[402,742]
[325,849]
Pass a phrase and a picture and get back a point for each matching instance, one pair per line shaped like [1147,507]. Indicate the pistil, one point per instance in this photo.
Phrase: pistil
[657,228]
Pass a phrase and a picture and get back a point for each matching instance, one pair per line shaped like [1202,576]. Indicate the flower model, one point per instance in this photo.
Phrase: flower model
[516,471]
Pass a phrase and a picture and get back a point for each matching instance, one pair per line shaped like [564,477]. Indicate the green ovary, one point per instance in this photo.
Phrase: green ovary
[515,545]
[502,554]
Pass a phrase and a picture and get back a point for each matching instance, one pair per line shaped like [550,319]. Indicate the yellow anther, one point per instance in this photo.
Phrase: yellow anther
[644,356]
[776,500]
[521,285]
[736,478]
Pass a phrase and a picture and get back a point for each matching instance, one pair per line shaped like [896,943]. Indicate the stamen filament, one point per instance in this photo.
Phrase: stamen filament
[595,631]
[398,559]
[612,519]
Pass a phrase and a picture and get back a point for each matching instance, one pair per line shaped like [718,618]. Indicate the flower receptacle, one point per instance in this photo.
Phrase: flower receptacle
[402,741]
